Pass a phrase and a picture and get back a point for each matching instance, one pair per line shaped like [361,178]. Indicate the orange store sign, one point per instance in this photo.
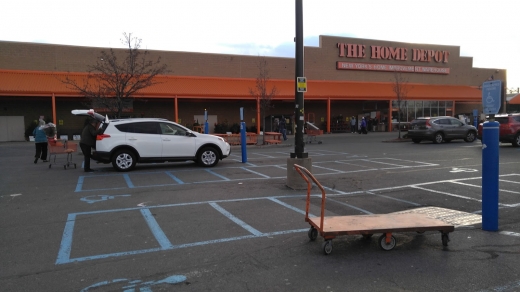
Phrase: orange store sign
[391,68]
[390,53]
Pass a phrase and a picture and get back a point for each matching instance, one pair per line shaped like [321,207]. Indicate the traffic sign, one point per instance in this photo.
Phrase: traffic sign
[491,96]
[301,84]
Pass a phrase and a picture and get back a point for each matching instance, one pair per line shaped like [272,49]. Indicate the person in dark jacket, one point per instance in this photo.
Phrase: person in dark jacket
[40,141]
[88,142]
[282,127]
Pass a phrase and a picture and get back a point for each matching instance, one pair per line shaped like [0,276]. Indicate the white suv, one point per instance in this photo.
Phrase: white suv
[125,142]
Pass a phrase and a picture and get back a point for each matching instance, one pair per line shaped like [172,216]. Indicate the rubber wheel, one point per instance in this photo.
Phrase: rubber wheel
[438,138]
[208,157]
[327,247]
[124,160]
[445,239]
[313,233]
[470,137]
[384,245]
[516,140]
[416,141]
[367,236]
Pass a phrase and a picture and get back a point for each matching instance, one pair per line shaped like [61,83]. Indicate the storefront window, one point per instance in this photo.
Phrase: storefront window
[419,109]
[442,108]
[434,108]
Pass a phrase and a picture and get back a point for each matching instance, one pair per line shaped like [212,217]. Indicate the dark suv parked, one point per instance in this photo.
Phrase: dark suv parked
[438,129]
[509,131]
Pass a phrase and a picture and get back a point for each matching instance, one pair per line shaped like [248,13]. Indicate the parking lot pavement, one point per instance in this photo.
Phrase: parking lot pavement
[236,227]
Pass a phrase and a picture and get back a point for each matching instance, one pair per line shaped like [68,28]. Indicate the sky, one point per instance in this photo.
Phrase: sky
[487,30]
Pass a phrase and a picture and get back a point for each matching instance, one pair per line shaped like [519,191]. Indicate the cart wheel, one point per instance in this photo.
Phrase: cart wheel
[313,233]
[387,246]
[74,165]
[327,247]
[445,239]
[319,142]
[50,165]
[420,232]
[367,236]
[64,167]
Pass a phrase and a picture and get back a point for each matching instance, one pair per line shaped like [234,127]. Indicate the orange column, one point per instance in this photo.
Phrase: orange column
[389,118]
[258,115]
[176,109]
[54,109]
[328,115]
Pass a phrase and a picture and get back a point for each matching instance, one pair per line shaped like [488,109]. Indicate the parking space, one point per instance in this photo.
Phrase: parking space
[184,220]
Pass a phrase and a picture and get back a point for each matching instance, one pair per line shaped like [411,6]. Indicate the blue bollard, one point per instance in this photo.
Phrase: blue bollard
[206,128]
[243,141]
[490,159]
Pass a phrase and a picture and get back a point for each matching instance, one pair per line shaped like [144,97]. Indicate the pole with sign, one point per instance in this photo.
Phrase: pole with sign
[491,100]
[243,136]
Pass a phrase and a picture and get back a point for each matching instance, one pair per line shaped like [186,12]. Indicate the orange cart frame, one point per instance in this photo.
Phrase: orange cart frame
[366,225]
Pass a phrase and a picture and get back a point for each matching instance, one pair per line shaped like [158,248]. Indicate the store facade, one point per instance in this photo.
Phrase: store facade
[346,77]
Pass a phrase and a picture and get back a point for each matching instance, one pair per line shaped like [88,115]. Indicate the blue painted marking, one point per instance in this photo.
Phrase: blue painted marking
[216,174]
[257,173]
[66,240]
[290,207]
[175,178]
[79,186]
[128,181]
[143,286]
[92,200]
[236,220]
[156,229]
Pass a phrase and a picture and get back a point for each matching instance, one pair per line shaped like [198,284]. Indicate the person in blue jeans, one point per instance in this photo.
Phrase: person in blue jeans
[40,141]
[282,127]
[363,126]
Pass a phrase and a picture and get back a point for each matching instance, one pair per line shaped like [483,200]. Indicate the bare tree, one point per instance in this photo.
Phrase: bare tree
[262,91]
[112,83]
[401,92]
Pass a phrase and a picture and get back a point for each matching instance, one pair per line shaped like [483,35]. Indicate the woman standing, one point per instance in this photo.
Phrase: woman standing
[40,141]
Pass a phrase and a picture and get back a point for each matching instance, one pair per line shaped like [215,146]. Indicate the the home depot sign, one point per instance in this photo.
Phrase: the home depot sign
[390,53]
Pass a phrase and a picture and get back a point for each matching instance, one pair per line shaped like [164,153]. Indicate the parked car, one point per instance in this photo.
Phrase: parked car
[126,142]
[509,131]
[439,129]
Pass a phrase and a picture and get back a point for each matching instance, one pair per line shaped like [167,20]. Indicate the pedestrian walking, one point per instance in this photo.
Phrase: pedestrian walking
[40,142]
[353,124]
[363,126]
[282,127]
[88,142]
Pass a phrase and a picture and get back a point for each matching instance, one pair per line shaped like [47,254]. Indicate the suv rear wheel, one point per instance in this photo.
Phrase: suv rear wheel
[516,140]
[470,137]
[124,160]
[437,138]
[208,157]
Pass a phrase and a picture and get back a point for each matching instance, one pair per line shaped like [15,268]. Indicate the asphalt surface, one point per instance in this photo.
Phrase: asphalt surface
[238,227]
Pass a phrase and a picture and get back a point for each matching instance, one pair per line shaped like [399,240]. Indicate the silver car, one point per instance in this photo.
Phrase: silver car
[439,129]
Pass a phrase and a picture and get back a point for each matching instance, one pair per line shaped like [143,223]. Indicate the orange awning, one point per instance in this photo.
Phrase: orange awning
[45,83]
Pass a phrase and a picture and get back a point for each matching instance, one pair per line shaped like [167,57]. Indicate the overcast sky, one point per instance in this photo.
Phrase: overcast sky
[488,31]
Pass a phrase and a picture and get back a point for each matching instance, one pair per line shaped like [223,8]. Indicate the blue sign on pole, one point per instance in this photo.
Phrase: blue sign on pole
[491,96]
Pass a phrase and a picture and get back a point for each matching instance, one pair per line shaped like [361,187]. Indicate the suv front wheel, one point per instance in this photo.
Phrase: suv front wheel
[124,160]
[208,157]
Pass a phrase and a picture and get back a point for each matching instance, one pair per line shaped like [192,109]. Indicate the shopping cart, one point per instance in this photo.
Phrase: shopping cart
[312,132]
[61,147]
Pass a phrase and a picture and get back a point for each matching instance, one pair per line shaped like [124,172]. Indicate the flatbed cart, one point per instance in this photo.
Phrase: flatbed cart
[61,147]
[366,225]
[312,132]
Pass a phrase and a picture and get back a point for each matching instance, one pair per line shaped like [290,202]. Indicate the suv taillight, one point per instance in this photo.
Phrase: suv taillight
[102,136]
[428,124]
